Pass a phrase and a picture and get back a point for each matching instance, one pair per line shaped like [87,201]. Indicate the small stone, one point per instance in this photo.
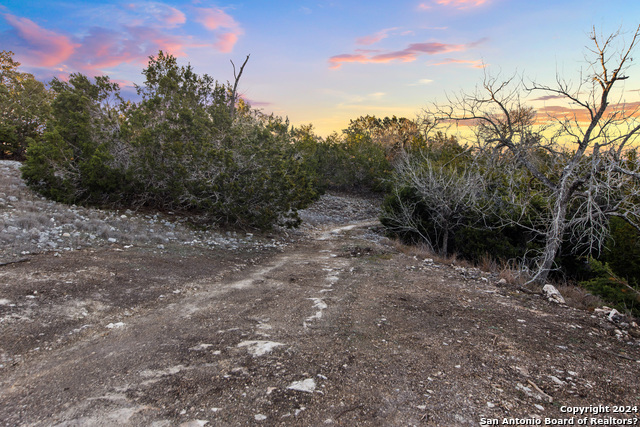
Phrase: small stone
[614,315]
[307,386]
[557,380]
[115,325]
[112,240]
[260,417]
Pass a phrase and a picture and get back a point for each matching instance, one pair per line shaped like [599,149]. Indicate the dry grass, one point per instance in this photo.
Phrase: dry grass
[578,297]
[488,263]
[423,251]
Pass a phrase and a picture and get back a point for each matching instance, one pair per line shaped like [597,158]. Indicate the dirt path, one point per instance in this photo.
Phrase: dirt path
[337,329]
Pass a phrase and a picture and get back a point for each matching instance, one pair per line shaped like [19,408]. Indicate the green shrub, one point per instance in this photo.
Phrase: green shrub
[176,149]
[622,252]
[24,108]
[350,162]
[611,288]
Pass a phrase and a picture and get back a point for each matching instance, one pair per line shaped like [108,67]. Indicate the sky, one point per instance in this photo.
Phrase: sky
[322,62]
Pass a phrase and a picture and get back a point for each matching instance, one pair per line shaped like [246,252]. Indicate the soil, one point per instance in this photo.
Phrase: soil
[335,327]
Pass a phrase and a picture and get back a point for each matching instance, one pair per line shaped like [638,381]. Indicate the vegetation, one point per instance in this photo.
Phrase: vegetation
[577,175]
[178,149]
[24,108]
[556,196]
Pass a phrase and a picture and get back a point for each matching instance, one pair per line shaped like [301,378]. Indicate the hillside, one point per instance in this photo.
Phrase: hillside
[124,318]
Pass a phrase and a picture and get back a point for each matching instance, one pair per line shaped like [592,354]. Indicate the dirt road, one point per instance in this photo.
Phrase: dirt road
[336,329]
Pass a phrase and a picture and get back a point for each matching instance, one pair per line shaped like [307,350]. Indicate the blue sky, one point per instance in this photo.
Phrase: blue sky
[320,62]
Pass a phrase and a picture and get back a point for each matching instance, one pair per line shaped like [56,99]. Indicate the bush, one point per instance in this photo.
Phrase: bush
[176,149]
[73,161]
[441,198]
[24,108]
[616,291]
[351,162]
[622,252]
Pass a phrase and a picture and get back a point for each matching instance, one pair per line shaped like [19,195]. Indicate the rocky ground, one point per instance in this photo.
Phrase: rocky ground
[124,318]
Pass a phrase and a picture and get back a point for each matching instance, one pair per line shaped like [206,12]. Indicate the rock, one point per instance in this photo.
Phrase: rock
[307,386]
[115,325]
[553,294]
[259,348]
[614,315]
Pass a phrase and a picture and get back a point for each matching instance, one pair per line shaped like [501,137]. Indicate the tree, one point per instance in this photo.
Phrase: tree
[74,161]
[432,200]
[176,149]
[392,133]
[24,108]
[579,160]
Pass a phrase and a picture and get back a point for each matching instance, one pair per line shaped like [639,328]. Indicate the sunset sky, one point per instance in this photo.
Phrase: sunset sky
[320,62]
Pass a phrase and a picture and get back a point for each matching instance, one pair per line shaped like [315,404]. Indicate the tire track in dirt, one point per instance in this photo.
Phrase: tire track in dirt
[335,330]
[147,349]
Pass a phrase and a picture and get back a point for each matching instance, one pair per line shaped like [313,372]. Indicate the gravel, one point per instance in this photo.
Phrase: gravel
[32,224]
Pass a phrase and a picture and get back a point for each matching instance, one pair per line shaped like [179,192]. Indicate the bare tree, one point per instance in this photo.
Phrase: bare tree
[234,93]
[578,156]
[446,195]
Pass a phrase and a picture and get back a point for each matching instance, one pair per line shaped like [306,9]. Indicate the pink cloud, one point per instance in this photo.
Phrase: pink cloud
[39,46]
[137,33]
[433,48]
[461,4]
[155,14]
[458,4]
[102,49]
[402,55]
[374,38]
[549,97]
[213,19]
[174,17]
[408,54]
[338,60]
[550,113]
[123,83]
[226,42]
[471,63]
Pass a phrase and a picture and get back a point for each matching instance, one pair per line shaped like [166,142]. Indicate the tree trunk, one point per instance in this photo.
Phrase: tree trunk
[445,242]
[234,95]
[553,239]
